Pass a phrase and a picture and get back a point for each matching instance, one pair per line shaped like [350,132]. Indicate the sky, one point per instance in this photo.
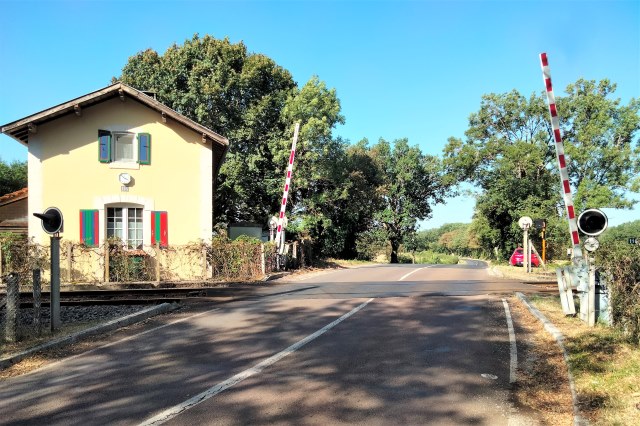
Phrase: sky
[401,69]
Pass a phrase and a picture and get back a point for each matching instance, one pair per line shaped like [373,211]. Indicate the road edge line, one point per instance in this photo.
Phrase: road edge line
[513,364]
[559,338]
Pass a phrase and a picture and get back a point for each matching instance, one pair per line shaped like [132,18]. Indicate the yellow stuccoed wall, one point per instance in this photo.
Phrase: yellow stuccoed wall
[64,172]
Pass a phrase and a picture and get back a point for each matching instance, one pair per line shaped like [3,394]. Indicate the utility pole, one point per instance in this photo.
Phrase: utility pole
[525,223]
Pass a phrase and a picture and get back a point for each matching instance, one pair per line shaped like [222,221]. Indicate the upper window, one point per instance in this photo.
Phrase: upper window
[124,147]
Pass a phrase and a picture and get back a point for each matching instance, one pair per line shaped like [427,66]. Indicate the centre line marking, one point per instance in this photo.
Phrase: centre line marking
[172,412]
[412,272]
[513,365]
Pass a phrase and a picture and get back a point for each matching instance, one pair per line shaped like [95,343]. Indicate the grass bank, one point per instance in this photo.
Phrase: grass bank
[605,366]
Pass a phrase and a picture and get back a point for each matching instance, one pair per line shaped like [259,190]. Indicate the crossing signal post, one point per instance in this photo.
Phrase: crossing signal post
[541,225]
[53,224]
[591,222]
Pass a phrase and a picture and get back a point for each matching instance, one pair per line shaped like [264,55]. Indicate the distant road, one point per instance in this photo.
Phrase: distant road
[379,345]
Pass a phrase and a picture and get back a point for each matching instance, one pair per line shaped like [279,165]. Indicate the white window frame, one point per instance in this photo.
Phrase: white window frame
[124,221]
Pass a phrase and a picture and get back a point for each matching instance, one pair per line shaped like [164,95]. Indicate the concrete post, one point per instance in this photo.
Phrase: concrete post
[13,305]
[106,262]
[204,263]
[37,300]
[591,304]
[69,262]
[55,283]
[158,261]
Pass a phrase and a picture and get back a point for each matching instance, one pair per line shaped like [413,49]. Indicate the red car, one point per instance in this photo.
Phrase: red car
[518,256]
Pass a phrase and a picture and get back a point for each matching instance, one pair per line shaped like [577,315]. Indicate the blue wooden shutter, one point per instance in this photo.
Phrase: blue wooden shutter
[89,228]
[144,148]
[104,144]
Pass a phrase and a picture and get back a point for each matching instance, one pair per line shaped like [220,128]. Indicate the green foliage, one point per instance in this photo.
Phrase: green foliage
[410,184]
[620,263]
[21,255]
[237,94]
[601,139]
[239,258]
[370,244]
[13,177]
[126,265]
[435,258]
[509,155]
[450,238]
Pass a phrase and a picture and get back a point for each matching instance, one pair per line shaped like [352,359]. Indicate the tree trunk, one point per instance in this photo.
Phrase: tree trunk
[395,245]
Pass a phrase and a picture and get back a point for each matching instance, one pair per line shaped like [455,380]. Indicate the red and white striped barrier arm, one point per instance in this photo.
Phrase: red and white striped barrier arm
[562,164]
[287,184]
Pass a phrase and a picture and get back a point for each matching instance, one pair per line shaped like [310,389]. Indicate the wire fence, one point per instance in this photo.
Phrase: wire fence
[25,271]
[215,260]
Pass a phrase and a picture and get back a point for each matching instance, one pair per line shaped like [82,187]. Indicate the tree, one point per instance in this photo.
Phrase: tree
[13,176]
[237,94]
[410,184]
[601,141]
[509,154]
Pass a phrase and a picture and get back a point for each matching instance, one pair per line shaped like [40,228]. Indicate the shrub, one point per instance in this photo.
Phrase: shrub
[432,257]
[620,265]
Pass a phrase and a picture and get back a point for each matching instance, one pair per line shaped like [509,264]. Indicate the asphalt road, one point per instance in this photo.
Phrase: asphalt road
[392,344]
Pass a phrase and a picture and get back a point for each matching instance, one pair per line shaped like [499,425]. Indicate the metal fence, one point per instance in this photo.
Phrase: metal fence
[18,322]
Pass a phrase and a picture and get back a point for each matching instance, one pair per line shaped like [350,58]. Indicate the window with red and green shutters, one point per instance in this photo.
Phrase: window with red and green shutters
[89,228]
[159,229]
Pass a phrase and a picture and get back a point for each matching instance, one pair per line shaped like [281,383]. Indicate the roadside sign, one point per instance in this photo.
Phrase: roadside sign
[633,241]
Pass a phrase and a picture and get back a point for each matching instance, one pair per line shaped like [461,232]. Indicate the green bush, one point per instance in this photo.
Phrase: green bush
[435,258]
[620,266]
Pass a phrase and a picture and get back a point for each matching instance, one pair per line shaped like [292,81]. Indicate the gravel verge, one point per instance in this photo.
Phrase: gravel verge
[77,322]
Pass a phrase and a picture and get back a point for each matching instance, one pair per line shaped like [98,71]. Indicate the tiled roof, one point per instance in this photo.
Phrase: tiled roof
[14,196]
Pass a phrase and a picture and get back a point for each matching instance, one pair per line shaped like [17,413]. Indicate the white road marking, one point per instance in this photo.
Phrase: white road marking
[513,365]
[172,412]
[412,272]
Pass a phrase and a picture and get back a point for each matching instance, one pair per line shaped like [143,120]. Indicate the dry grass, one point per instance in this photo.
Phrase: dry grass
[606,368]
[543,385]
[516,272]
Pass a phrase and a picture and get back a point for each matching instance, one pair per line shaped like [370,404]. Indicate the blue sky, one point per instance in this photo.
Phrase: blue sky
[413,69]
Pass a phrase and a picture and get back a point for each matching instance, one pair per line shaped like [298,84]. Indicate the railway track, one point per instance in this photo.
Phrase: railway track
[136,296]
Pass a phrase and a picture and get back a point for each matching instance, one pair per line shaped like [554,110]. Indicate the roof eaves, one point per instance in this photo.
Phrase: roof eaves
[20,129]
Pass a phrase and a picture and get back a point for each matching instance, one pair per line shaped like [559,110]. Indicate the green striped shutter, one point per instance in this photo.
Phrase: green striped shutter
[144,148]
[104,146]
[89,235]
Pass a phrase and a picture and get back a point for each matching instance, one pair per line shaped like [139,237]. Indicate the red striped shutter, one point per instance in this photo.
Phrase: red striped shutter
[159,229]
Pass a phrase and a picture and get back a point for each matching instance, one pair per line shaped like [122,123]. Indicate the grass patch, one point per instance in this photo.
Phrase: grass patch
[606,368]
[429,257]
[350,263]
